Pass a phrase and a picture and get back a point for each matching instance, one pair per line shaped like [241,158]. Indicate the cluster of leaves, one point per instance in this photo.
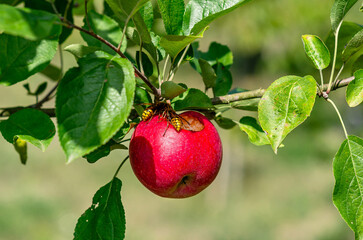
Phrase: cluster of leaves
[102,98]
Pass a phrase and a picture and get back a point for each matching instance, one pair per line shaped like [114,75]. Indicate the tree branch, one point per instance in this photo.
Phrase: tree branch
[258,93]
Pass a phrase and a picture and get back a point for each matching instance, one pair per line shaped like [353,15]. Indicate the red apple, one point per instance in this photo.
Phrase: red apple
[175,164]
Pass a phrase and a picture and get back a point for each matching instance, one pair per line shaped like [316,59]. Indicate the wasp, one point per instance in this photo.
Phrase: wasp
[164,110]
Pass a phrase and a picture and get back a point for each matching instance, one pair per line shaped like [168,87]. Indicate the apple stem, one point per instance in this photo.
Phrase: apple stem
[119,167]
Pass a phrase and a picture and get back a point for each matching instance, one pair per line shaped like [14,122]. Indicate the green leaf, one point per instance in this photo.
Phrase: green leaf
[147,13]
[172,13]
[354,45]
[105,27]
[79,9]
[346,33]
[218,53]
[122,132]
[338,11]
[147,66]
[29,125]
[192,99]
[79,50]
[200,13]
[354,92]
[141,96]
[224,81]
[358,64]
[254,131]
[11,2]
[171,90]
[225,123]
[286,104]
[41,88]
[125,7]
[102,151]
[61,7]
[21,148]
[246,104]
[348,190]
[27,87]
[28,23]
[93,101]
[316,50]
[52,72]
[208,74]
[142,28]
[105,219]
[174,44]
[23,57]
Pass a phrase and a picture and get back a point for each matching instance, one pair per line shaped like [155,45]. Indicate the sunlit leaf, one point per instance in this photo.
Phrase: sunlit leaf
[93,101]
[107,28]
[28,23]
[353,46]
[29,125]
[285,105]
[354,92]
[346,33]
[21,148]
[173,44]
[79,50]
[23,57]
[348,190]
[338,11]
[200,13]
[316,50]
[254,131]
[61,7]
[172,13]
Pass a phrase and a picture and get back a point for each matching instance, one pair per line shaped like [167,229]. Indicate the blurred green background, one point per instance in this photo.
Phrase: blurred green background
[257,195]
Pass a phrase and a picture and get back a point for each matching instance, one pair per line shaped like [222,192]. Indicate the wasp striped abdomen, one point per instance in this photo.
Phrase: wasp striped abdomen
[176,122]
[147,113]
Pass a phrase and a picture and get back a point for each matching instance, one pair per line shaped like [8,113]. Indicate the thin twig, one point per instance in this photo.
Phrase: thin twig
[340,117]
[118,169]
[86,15]
[258,93]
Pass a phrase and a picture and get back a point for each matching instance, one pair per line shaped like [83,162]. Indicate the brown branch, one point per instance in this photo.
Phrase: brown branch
[155,91]
[258,93]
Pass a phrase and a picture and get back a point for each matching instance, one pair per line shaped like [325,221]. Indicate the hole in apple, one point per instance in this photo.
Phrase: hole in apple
[191,123]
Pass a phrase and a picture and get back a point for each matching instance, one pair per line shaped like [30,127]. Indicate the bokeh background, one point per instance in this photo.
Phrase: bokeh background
[257,195]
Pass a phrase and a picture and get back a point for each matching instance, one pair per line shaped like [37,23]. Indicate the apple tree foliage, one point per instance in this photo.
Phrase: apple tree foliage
[100,100]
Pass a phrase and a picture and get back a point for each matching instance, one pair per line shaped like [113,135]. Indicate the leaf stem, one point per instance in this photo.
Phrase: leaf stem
[321,77]
[119,167]
[86,15]
[179,63]
[340,117]
[334,58]
[164,70]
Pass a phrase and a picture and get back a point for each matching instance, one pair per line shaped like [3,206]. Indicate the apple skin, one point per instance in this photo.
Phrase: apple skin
[177,164]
